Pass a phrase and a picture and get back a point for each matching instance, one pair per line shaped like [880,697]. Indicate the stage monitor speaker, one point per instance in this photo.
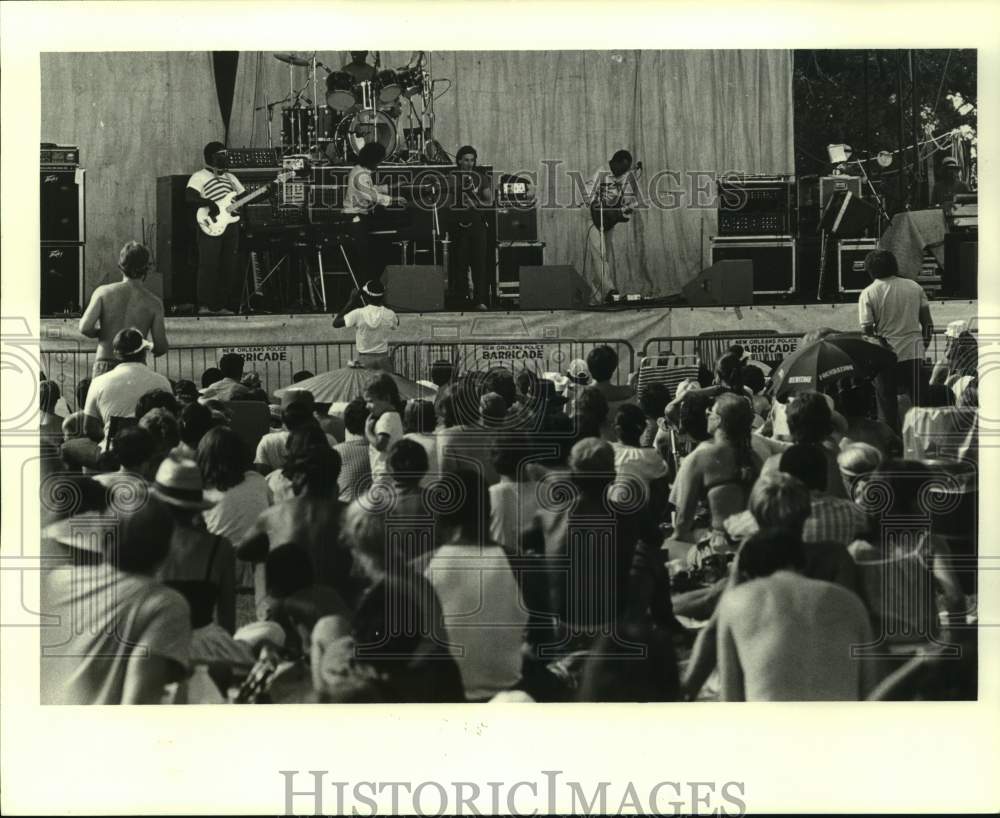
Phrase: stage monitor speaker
[847,216]
[727,282]
[417,288]
[61,284]
[61,196]
[176,248]
[552,287]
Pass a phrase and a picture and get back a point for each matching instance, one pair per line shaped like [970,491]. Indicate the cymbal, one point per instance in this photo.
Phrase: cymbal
[292,59]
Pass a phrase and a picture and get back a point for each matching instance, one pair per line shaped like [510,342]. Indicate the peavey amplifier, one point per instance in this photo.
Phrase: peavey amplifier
[773,260]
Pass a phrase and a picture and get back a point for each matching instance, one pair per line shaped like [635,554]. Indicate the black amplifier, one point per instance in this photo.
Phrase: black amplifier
[755,205]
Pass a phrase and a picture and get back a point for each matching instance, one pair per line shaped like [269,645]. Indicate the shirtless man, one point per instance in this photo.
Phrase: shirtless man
[126,303]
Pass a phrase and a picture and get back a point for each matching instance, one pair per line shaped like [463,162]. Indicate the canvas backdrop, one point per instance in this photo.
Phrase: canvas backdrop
[137,116]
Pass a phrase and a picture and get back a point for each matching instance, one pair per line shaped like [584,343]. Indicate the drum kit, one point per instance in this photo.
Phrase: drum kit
[356,112]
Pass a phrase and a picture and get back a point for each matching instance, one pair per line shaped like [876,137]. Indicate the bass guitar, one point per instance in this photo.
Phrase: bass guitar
[228,207]
[612,193]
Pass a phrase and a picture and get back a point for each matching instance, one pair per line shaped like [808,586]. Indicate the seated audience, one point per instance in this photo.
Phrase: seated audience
[641,666]
[785,637]
[193,423]
[856,461]
[227,387]
[356,467]
[384,425]
[514,499]
[720,472]
[166,436]
[49,423]
[115,635]
[653,400]
[210,376]
[311,519]
[419,422]
[905,569]
[831,519]
[156,399]
[810,422]
[279,481]
[186,392]
[855,401]
[201,566]
[135,450]
[484,616]
[385,652]
[238,492]
[297,407]
[602,361]
[80,449]
[590,413]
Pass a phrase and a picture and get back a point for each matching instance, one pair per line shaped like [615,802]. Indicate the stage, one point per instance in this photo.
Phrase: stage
[276,346]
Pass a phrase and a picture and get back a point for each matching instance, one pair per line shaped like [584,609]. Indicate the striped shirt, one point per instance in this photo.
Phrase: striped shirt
[833,519]
[214,186]
[355,467]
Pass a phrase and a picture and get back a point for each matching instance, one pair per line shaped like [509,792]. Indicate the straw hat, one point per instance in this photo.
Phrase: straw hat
[178,483]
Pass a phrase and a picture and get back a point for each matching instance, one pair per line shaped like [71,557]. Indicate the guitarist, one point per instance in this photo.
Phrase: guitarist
[218,262]
[606,260]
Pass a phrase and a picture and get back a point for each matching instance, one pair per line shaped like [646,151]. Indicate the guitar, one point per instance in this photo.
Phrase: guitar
[613,214]
[228,205]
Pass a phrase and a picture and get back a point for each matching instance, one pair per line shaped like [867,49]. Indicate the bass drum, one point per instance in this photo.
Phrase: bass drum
[356,131]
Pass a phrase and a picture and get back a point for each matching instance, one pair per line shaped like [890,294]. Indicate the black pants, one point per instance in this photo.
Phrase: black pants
[468,252]
[365,254]
[219,269]
[903,378]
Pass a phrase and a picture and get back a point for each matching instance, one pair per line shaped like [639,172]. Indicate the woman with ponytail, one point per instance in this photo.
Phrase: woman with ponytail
[719,473]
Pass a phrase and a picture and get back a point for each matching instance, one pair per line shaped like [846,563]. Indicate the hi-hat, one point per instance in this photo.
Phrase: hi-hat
[292,59]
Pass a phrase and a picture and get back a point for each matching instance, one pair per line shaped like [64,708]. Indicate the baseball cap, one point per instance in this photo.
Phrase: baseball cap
[130,342]
[949,162]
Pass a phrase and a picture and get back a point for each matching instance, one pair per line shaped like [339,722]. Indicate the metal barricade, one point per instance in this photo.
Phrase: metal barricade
[413,359]
[275,368]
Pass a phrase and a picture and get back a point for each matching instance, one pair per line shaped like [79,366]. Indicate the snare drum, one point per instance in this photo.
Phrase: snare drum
[342,92]
[387,87]
[296,126]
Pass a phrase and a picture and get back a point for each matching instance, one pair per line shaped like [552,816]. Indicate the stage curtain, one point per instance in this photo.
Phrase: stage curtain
[712,111]
[135,116]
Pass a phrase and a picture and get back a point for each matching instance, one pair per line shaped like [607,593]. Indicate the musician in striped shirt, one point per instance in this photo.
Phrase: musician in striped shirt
[218,256]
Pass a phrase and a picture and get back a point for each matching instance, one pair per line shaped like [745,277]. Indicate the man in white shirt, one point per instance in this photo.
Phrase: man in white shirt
[613,188]
[373,321]
[125,303]
[360,200]
[115,394]
[896,309]
[218,256]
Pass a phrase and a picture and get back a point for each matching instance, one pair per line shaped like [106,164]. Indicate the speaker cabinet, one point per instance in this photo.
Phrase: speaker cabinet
[773,262]
[510,257]
[418,288]
[61,272]
[851,274]
[553,287]
[176,250]
[727,282]
[61,196]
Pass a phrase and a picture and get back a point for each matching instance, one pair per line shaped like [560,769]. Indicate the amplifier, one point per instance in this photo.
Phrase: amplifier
[516,224]
[61,283]
[62,155]
[753,206]
[851,275]
[62,200]
[773,261]
[250,158]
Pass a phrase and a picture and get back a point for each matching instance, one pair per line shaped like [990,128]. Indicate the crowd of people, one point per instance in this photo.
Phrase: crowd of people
[518,538]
